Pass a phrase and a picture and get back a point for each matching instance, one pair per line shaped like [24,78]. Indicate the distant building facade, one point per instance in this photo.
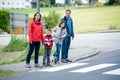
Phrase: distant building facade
[16,4]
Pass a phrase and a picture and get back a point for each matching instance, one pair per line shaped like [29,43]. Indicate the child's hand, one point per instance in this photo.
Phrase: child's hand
[30,42]
[43,43]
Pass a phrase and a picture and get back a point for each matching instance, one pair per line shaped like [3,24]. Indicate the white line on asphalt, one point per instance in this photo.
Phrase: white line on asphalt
[58,68]
[93,68]
[113,72]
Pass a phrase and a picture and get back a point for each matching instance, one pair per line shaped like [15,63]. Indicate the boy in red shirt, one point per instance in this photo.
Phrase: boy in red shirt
[48,44]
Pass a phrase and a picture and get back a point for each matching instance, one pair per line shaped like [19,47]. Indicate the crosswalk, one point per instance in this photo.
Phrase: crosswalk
[89,68]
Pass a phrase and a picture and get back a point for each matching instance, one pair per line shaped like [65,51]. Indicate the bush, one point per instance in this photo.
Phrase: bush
[1,31]
[52,19]
[41,4]
[4,20]
[16,44]
[100,5]
[44,4]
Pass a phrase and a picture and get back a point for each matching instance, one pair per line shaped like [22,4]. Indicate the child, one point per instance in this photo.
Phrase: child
[59,33]
[48,44]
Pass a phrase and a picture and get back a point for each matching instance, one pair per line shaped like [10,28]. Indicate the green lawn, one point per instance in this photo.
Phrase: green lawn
[86,19]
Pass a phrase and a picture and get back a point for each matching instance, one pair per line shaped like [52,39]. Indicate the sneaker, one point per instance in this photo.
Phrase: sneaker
[58,62]
[44,65]
[49,65]
[68,60]
[38,66]
[64,61]
[28,66]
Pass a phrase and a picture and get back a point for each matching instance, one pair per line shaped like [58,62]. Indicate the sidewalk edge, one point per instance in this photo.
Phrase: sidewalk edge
[87,56]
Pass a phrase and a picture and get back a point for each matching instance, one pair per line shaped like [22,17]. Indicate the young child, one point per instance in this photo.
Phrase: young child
[48,44]
[59,34]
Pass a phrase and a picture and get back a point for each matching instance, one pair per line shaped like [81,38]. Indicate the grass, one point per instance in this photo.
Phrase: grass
[16,44]
[85,19]
[17,56]
[6,73]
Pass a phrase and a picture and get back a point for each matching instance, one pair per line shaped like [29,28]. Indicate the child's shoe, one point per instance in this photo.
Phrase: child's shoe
[49,65]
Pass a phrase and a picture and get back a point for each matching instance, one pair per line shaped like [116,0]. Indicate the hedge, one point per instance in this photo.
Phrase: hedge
[4,20]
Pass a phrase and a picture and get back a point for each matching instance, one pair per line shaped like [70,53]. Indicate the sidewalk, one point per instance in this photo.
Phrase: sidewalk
[75,54]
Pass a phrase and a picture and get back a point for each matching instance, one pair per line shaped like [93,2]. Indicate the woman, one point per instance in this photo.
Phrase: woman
[35,34]
[59,33]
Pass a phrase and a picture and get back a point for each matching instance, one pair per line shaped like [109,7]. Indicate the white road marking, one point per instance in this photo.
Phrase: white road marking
[113,72]
[93,68]
[58,68]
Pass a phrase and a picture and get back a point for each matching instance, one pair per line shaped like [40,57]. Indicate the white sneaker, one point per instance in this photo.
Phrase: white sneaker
[28,66]
[38,66]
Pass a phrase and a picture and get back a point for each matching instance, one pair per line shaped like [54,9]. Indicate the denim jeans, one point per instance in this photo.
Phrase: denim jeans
[47,52]
[65,47]
[57,52]
[36,46]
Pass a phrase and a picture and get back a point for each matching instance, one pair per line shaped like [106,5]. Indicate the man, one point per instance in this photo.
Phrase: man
[70,34]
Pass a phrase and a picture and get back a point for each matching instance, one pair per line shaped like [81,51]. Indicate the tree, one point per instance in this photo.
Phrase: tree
[67,2]
[111,2]
[52,2]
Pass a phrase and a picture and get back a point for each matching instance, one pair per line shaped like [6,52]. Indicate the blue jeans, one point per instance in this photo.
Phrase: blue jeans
[57,52]
[65,47]
[36,46]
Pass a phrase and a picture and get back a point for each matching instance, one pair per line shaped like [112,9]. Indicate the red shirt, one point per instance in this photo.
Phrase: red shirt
[35,32]
[48,41]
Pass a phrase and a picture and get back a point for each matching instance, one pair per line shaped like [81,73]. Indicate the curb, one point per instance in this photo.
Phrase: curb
[87,56]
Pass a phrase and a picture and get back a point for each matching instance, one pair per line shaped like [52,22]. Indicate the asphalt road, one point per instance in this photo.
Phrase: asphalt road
[105,66]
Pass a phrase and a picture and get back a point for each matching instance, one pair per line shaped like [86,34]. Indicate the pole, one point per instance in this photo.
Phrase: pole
[38,6]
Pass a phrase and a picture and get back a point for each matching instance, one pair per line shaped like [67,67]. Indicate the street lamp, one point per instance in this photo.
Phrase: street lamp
[38,6]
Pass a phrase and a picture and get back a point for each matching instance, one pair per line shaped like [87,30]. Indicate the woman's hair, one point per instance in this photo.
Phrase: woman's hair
[61,23]
[35,15]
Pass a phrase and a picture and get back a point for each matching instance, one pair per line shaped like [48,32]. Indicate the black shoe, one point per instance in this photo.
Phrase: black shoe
[63,61]
[68,60]
[55,61]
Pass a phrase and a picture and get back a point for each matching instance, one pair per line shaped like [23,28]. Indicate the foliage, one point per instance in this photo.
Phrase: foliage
[4,20]
[15,44]
[100,5]
[52,19]
[1,31]
[111,2]
[52,2]
[44,4]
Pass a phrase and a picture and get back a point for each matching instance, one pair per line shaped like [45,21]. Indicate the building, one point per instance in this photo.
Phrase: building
[16,4]
[60,1]
[93,1]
